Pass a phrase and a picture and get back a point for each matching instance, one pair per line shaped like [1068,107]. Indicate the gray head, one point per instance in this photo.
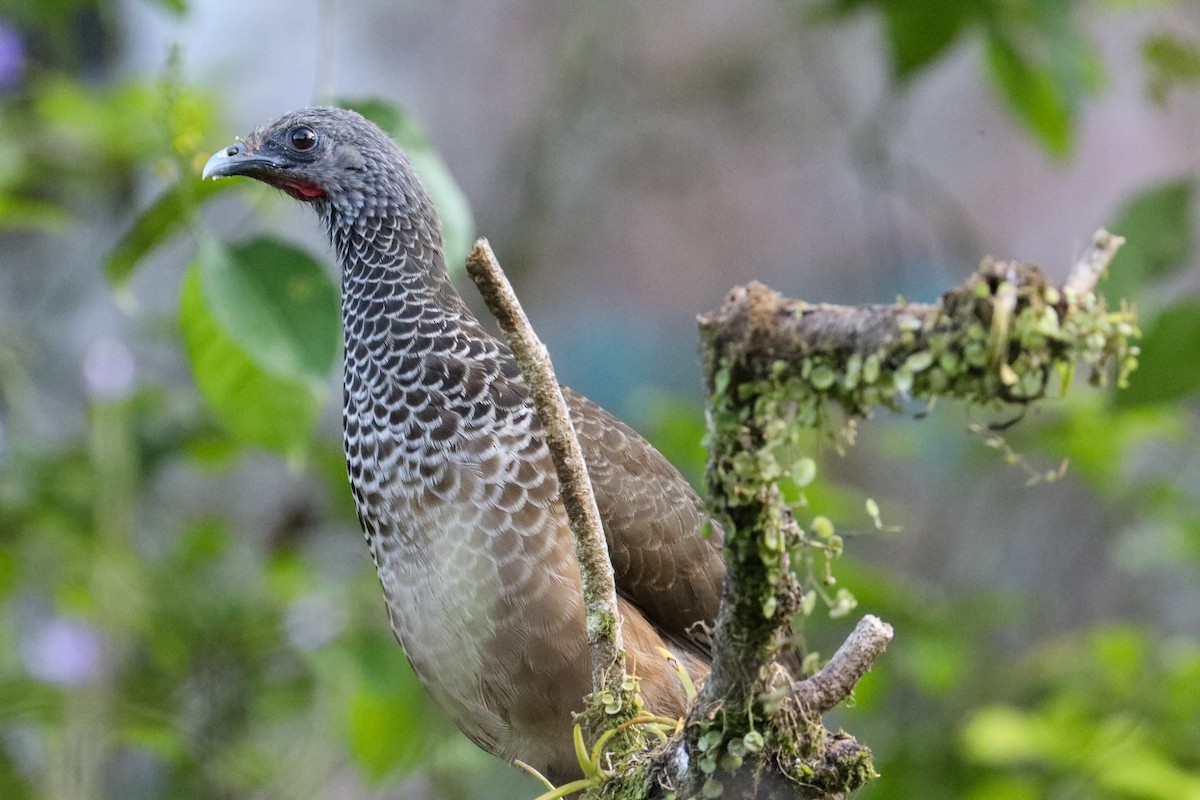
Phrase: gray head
[332,158]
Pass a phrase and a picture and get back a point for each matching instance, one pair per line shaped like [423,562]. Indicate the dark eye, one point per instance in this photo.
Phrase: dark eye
[303,138]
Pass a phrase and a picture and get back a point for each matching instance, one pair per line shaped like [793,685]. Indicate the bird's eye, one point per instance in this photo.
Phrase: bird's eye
[303,138]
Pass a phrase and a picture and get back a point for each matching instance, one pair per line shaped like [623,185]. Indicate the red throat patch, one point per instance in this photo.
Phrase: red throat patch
[303,191]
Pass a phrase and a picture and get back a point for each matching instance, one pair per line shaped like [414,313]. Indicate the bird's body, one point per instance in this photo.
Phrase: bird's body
[453,481]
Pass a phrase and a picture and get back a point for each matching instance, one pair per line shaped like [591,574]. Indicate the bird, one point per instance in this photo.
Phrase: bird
[452,479]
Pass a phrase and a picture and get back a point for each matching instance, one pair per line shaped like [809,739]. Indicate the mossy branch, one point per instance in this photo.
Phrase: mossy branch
[591,548]
[996,338]
[775,366]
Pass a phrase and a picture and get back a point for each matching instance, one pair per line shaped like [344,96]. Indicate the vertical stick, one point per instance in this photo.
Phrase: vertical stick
[599,586]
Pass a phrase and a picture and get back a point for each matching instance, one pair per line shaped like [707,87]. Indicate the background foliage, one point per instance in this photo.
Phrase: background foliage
[153,646]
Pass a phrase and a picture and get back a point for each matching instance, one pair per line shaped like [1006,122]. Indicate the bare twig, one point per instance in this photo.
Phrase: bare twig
[599,586]
[834,682]
[1091,265]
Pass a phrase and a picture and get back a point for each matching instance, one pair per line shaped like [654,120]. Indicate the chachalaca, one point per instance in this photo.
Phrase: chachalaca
[453,482]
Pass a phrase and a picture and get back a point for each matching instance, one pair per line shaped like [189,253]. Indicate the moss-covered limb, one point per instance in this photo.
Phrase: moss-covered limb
[775,366]
[611,686]
[751,733]
[998,337]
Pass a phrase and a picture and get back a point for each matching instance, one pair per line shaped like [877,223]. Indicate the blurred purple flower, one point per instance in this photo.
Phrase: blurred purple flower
[108,369]
[63,651]
[12,55]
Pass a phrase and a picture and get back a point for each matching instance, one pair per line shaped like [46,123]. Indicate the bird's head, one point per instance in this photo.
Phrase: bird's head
[331,157]
[352,174]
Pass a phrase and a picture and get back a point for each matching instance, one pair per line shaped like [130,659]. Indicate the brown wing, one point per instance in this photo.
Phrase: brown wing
[652,518]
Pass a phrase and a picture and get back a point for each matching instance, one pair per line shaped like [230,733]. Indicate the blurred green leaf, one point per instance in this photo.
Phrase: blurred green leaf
[10,571]
[176,6]
[919,32]
[278,306]
[202,543]
[257,408]
[155,733]
[1032,95]
[26,213]
[1037,54]
[1113,754]
[1159,237]
[938,666]
[1006,787]
[1145,772]
[1102,460]
[386,723]
[381,733]
[676,429]
[458,226]
[1121,653]
[1043,65]
[1177,694]
[1171,61]
[1169,366]
[164,218]
[26,700]
[95,129]
[1002,735]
